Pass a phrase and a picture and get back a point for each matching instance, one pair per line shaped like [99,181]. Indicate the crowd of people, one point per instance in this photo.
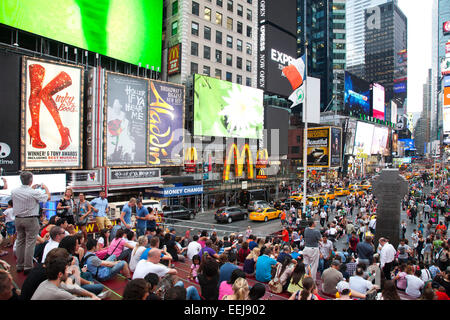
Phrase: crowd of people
[334,257]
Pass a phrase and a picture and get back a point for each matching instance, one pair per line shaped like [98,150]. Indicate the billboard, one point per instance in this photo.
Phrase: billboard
[101,26]
[357,95]
[378,95]
[318,149]
[395,142]
[126,120]
[226,109]
[400,87]
[52,115]
[282,13]
[445,66]
[401,66]
[350,137]
[10,109]
[447,81]
[276,121]
[166,123]
[335,147]
[380,141]
[174,60]
[446,27]
[276,49]
[447,96]
[363,138]
[394,112]
[408,144]
[446,119]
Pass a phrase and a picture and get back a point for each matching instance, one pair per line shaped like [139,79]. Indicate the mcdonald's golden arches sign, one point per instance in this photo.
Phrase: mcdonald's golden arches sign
[174,59]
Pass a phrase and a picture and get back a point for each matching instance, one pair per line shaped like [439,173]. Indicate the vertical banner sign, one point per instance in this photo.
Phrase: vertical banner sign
[318,153]
[52,115]
[126,120]
[174,63]
[335,147]
[166,122]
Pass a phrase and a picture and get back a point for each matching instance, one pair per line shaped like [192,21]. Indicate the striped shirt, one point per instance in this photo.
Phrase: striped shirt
[26,201]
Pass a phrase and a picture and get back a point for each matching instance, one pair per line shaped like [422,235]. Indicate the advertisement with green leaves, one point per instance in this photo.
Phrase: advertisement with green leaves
[129,30]
[226,109]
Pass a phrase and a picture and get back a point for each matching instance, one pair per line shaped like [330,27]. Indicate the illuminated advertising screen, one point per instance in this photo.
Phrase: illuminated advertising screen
[350,137]
[380,141]
[363,138]
[125,30]
[394,112]
[446,27]
[408,144]
[357,95]
[446,120]
[378,101]
[400,87]
[318,149]
[52,111]
[226,109]
[335,147]
[447,81]
[445,66]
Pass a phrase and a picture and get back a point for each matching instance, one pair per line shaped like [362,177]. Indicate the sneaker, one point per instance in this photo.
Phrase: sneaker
[104,294]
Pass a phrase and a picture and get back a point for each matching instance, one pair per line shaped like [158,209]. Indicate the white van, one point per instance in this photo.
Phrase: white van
[115,208]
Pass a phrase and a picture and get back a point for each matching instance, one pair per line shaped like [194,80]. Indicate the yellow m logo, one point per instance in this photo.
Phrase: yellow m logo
[191,155]
[174,53]
[262,158]
[239,158]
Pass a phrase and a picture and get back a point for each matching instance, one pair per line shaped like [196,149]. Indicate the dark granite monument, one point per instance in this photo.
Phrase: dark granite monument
[389,188]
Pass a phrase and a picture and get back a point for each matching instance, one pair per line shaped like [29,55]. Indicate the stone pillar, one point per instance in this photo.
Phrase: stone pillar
[389,188]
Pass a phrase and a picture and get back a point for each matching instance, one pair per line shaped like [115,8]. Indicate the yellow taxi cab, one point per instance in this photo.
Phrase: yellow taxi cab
[341,192]
[265,214]
[313,200]
[296,196]
[358,191]
[327,195]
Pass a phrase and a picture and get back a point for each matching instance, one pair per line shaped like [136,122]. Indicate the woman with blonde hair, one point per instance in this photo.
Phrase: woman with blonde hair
[240,290]
[250,261]
[137,252]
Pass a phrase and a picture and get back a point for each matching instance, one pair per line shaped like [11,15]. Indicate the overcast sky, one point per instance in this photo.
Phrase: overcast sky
[419,16]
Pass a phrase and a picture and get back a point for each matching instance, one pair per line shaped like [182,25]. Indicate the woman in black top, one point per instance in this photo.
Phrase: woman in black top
[208,278]
[65,207]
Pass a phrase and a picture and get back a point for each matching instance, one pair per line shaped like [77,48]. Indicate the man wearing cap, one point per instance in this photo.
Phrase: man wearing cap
[312,237]
[387,257]
[331,278]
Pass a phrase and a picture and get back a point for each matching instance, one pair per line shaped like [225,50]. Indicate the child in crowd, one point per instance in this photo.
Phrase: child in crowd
[194,268]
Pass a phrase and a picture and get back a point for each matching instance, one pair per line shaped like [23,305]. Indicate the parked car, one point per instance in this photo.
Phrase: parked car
[178,212]
[230,214]
[257,204]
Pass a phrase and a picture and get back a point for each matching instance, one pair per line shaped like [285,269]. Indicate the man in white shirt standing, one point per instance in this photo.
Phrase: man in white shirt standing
[193,248]
[387,257]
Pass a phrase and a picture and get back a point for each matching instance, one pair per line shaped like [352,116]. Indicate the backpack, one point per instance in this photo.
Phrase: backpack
[438,255]
[84,261]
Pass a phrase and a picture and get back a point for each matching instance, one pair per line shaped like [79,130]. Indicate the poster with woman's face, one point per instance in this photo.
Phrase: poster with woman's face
[52,113]
[126,120]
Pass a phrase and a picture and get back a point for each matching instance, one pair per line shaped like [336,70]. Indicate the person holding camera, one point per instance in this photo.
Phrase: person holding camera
[26,199]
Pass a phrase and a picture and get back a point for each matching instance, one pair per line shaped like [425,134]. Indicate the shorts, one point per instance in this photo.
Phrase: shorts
[103,222]
[10,228]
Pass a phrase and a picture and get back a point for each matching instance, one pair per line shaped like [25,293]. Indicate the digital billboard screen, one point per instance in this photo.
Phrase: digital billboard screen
[357,95]
[363,138]
[282,13]
[378,95]
[226,109]
[408,144]
[400,87]
[276,122]
[125,30]
[380,141]
[318,149]
[335,147]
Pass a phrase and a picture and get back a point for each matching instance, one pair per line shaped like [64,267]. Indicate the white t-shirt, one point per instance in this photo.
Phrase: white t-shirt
[49,246]
[135,257]
[323,214]
[359,284]
[145,267]
[131,242]
[413,286]
[193,248]
[9,215]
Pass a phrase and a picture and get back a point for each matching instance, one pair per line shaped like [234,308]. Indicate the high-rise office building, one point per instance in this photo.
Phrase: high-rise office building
[321,23]
[386,49]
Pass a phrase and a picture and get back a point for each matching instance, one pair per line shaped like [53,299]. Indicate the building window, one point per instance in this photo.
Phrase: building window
[229,41]
[295,149]
[230,5]
[207,33]
[229,23]
[239,45]
[229,60]
[218,18]
[195,8]
[229,76]
[206,52]
[194,68]
[174,28]
[239,27]
[219,3]
[249,48]
[249,15]
[218,56]
[240,10]
[248,66]
[219,37]
[218,74]
[206,71]
[174,7]
[238,79]
[239,62]
[194,49]
[299,139]
[194,28]
[249,1]
[249,31]
[248,82]
[207,14]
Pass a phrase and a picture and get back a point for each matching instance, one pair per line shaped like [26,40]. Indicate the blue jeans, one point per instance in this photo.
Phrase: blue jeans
[140,231]
[113,270]
[191,291]
[95,288]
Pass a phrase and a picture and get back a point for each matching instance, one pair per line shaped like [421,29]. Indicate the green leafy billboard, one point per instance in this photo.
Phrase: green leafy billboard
[227,109]
[129,30]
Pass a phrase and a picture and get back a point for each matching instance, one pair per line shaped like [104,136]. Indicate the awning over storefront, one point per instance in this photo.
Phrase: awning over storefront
[176,191]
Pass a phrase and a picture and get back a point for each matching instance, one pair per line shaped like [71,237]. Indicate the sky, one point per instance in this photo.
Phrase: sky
[419,16]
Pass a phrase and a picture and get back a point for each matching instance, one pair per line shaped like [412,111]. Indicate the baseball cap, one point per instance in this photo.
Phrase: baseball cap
[342,285]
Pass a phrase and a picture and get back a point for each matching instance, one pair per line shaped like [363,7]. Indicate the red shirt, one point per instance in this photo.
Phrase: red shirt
[442,295]
[285,236]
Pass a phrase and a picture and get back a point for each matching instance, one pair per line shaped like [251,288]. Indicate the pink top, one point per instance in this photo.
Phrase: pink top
[225,289]
[116,247]
[401,281]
